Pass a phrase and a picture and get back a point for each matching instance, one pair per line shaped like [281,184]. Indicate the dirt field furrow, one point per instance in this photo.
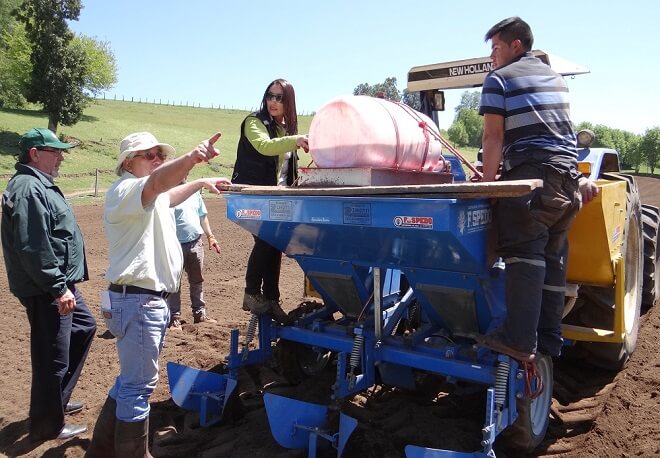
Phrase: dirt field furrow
[594,414]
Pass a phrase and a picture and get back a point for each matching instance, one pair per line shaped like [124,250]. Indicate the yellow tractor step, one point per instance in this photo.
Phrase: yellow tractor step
[585,334]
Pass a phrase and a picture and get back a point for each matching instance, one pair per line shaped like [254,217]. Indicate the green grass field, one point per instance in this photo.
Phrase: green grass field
[106,122]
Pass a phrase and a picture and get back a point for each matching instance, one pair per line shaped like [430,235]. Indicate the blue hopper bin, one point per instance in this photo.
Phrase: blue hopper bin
[201,391]
[304,424]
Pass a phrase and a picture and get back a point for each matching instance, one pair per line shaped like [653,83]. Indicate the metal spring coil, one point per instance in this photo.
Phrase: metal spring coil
[251,329]
[501,378]
[356,351]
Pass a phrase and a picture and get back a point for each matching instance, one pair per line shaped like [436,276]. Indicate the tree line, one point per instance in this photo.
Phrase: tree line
[634,150]
[42,61]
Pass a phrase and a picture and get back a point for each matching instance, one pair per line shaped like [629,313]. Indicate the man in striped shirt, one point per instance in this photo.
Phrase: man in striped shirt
[527,129]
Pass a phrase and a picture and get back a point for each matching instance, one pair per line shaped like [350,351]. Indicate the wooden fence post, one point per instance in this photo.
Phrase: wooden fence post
[96,183]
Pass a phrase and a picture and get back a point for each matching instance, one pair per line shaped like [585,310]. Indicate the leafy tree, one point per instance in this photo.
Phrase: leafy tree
[457,134]
[467,128]
[387,88]
[650,147]
[58,72]
[97,68]
[634,157]
[411,99]
[618,140]
[470,100]
[603,136]
[7,20]
[99,62]
[584,125]
[632,153]
[624,142]
[473,124]
[15,67]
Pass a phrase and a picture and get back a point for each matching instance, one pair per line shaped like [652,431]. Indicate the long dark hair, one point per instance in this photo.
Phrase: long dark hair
[289,101]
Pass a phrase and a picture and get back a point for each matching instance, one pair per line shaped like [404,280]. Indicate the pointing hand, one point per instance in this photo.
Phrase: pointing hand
[205,151]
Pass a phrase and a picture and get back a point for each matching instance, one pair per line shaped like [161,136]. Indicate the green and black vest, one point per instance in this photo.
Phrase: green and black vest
[252,167]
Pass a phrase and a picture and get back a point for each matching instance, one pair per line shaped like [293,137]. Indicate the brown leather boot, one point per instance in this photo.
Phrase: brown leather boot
[103,439]
[132,439]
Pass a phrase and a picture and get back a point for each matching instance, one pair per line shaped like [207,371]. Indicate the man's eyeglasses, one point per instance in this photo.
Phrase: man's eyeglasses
[51,150]
[274,97]
[151,155]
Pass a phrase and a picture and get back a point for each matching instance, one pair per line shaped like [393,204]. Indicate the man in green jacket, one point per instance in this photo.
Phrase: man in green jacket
[45,259]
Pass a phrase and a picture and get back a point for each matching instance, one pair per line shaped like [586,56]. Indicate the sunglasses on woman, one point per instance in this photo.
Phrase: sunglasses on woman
[274,97]
[150,155]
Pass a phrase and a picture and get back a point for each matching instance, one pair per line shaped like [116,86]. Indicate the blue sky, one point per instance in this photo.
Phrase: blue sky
[225,53]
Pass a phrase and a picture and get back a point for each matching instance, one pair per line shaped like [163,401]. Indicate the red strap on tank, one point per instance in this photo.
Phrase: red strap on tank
[446,144]
[427,141]
[425,129]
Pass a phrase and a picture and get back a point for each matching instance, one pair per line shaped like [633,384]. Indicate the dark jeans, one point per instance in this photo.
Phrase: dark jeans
[59,347]
[263,270]
[532,239]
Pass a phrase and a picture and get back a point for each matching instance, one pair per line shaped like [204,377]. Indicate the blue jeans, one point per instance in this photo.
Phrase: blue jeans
[138,321]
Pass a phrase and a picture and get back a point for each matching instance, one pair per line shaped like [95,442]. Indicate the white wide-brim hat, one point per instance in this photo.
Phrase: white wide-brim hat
[139,141]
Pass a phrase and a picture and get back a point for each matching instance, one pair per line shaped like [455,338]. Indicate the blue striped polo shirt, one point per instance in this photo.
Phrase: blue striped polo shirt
[533,99]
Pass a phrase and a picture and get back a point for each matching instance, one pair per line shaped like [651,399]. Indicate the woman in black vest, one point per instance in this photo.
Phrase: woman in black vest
[266,155]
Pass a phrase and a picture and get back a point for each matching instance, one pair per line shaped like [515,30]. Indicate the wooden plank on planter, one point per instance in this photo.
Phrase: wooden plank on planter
[495,189]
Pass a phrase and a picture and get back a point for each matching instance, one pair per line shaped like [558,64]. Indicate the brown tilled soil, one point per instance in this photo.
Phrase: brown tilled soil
[623,416]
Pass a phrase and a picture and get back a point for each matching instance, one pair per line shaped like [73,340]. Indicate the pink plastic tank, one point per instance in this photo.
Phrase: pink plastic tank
[362,131]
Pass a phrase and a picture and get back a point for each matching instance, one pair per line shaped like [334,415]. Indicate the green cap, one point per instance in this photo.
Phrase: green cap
[38,138]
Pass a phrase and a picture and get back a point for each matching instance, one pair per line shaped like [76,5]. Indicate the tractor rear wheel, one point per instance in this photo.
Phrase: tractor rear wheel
[651,283]
[528,431]
[597,303]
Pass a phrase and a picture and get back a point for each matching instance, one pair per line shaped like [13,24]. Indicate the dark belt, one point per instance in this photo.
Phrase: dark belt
[128,289]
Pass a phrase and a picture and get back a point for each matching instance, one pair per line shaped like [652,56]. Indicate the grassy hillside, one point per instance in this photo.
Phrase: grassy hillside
[106,122]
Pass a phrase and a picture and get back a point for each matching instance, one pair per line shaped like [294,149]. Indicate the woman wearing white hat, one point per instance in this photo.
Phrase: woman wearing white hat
[145,264]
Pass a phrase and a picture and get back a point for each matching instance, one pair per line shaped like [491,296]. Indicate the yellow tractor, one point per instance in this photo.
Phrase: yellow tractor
[613,269]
